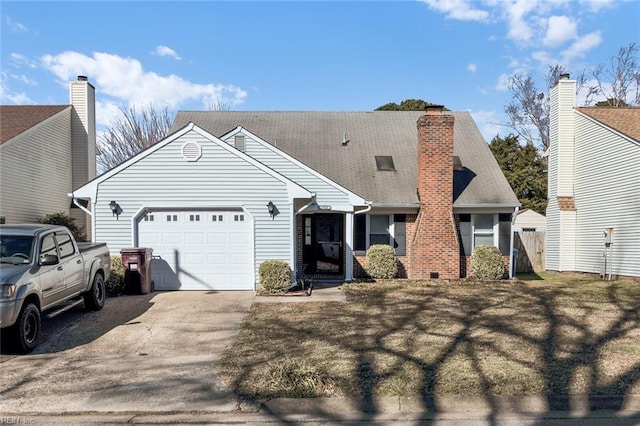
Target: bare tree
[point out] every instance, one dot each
(528, 111)
(130, 133)
(618, 79)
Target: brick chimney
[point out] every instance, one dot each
(435, 251)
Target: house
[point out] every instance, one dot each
(228, 190)
(528, 220)
(594, 187)
(45, 152)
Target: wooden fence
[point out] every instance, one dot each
(530, 246)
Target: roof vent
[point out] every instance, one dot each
(240, 143)
(191, 151)
(384, 163)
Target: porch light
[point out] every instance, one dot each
(272, 209)
(114, 207)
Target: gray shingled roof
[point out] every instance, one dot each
(315, 138)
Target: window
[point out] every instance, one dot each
(384, 163)
(194, 218)
(238, 218)
(172, 218)
(485, 229)
(65, 245)
(380, 229)
(149, 218)
(217, 218)
(48, 246)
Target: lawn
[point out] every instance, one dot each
(554, 335)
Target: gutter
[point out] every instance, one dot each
(369, 207)
(74, 200)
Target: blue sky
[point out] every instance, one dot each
(324, 56)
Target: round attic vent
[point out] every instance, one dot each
(191, 151)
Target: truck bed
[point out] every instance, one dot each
(88, 246)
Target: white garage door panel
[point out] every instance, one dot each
(197, 250)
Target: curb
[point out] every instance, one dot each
(448, 404)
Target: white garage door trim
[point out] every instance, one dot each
(203, 226)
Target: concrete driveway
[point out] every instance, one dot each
(149, 353)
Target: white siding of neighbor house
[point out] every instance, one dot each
(29, 192)
(607, 188)
(326, 193)
(560, 235)
(219, 179)
(530, 219)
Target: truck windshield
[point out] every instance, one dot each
(16, 249)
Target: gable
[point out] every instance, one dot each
(325, 189)
(16, 119)
(170, 159)
(623, 120)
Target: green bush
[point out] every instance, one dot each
(62, 219)
(486, 263)
(115, 284)
(275, 275)
(381, 261)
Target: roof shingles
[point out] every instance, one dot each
(624, 120)
(15, 119)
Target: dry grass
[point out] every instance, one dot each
(557, 336)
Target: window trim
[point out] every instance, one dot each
(367, 231)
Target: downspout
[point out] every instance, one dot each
(369, 207)
(81, 207)
(513, 227)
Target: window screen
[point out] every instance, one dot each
(379, 229)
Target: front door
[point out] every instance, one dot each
(323, 241)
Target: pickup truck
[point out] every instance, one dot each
(42, 267)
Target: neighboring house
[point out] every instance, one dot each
(528, 220)
(594, 186)
(228, 190)
(45, 152)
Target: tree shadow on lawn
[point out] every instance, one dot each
(494, 342)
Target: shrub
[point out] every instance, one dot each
(115, 284)
(486, 263)
(381, 261)
(62, 219)
(275, 275)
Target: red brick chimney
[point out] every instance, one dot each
(435, 251)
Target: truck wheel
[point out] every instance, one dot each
(27, 328)
(94, 299)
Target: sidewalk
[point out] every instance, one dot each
(446, 410)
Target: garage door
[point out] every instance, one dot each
(199, 250)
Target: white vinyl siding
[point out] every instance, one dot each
(326, 193)
(36, 171)
(560, 175)
(219, 179)
(607, 191)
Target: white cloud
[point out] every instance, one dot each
(18, 60)
(16, 26)
(488, 123)
(559, 30)
(581, 46)
(462, 10)
(517, 11)
(472, 68)
(167, 51)
(543, 57)
(503, 83)
(124, 79)
(596, 5)
(11, 98)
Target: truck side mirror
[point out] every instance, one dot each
(48, 259)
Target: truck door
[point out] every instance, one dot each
(51, 276)
(71, 261)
